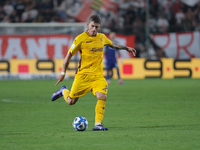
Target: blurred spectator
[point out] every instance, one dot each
(197, 28)
(167, 9)
(162, 24)
(14, 2)
(177, 5)
(152, 23)
(2, 14)
(186, 24)
(47, 5)
(165, 15)
(20, 8)
(47, 9)
(39, 19)
(6, 19)
(124, 5)
(117, 23)
(189, 22)
(60, 7)
(197, 13)
(8, 8)
(128, 24)
(137, 26)
(13, 17)
(54, 18)
(29, 14)
(179, 16)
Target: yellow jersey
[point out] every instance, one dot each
(91, 52)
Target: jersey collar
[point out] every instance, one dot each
(89, 34)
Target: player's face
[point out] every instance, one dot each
(112, 35)
(93, 28)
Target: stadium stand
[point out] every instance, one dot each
(165, 15)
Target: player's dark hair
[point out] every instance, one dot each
(95, 18)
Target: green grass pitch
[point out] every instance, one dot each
(153, 114)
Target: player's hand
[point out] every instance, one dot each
(132, 50)
(60, 79)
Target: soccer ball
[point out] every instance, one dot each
(80, 123)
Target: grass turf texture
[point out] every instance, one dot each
(141, 114)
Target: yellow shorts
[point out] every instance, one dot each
(83, 83)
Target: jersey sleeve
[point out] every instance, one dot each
(75, 47)
(107, 42)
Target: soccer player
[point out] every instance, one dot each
(111, 60)
(89, 76)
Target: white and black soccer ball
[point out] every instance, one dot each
(80, 123)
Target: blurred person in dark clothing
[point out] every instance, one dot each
(2, 14)
(20, 8)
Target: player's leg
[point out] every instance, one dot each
(107, 74)
(58, 93)
(100, 90)
(99, 111)
(68, 99)
(120, 81)
(72, 101)
(100, 106)
(63, 91)
(80, 87)
(109, 68)
(117, 67)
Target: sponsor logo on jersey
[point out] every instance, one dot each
(97, 50)
(88, 41)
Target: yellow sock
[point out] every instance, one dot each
(99, 111)
(65, 94)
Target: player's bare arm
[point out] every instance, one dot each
(129, 49)
(64, 68)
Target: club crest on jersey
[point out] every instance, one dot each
(101, 39)
(73, 45)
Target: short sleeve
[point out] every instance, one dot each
(75, 47)
(107, 42)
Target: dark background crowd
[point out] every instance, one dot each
(17, 11)
(164, 16)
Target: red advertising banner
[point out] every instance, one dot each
(45, 46)
(128, 40)
(179, 45)
(34, 46)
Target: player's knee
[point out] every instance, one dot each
(70, 101)
(103, 97)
